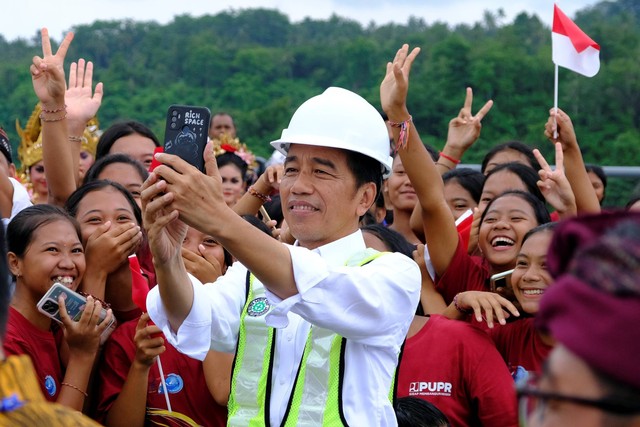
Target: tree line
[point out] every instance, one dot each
(259, 66)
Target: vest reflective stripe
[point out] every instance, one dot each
(249, 381)
(316, 397)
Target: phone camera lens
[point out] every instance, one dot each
(173, 125)
(50, 307)
(174, 119)
(175, 112)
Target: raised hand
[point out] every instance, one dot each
(395, 85)
(82, 102)
(164, 230)
(559, 128)
(148, 345)
(554, 185)
(47, 72)
(83, 336)
(464, 129)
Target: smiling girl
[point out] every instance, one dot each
(45, 247)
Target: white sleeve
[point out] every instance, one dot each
(214, 319)
(372, 304)
(20, 200)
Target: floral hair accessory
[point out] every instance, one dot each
(227, 144)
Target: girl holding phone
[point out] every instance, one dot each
(44, 247)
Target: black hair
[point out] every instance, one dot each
(521, 147)
(257, 223)
(549, 226)
(76, 197)
(393, 240)
(415, 412)
(228, 158)
(469, 179)
(631, 201)
(528, 176)
(96, 169)
(5, 284)
(539, 209)
(222, 113)
(274, 209)
(27, 221)
(599, 172)
(117, 131)
(365, 169)
(435, 154)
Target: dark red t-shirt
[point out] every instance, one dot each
(42, 346)
(464, 273)
(188, 392)
(520, 344)
(456, 367)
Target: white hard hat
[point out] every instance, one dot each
(339, 118)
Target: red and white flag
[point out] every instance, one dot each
(571, 47)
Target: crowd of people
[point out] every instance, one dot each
(338, 286)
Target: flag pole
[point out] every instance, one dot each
(164, 384)
(555, 101)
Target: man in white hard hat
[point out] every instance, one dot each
(317, 326)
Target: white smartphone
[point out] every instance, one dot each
(73, 302)
(500, 280)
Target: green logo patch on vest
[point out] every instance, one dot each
(258, 307)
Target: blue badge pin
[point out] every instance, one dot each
(258, 307)
(174, 382)
(50, 385)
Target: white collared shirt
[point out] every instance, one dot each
(371, 306)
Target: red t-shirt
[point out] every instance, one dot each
(464, 273)
(22, 337)
(188, 392)
(520, 344)
(457, 368)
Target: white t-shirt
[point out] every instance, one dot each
(20, 199)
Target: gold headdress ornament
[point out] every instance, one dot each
(91, 136)
(226, 144)
(30, 148)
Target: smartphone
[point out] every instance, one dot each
(186, 133)
(500, 280)
(73, 302)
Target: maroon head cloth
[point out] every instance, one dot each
(593, 306)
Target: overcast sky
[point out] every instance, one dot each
(23, 18)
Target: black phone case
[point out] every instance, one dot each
(186, 133)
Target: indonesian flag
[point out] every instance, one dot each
(139, 285)
(571, 47)
(464, 224)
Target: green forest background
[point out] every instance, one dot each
(259, 66)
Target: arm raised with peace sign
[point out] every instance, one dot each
(464, 129)
(554, 184)
(47, 73)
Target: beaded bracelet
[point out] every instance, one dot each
(57, 119)
(75, 388)
(405, 126)
(460, 309)
(451, 159)
(105, 305)
(57, 110)
(264, 197)
(75, 138)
